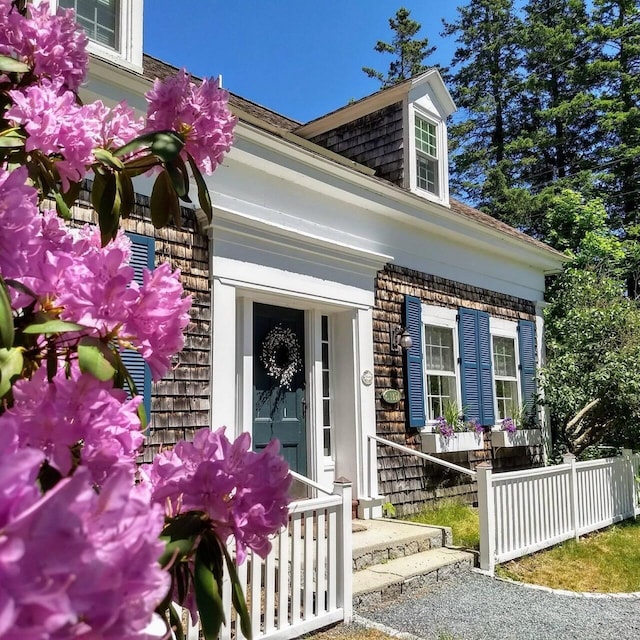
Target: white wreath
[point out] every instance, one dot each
(276, 340)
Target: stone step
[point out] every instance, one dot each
(382, 540)
(390, 579)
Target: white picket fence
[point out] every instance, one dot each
(304, 583)
(525, 511)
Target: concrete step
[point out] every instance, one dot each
(390, 579)
(382, 540)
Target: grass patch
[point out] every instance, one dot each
(605, 562)
(462, 519)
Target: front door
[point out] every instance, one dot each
(279, 382)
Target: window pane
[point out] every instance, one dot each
(507, 398)
(99, 18)
(504, 357)
(426, 140)
(427, 174)
(440, 391)
(439, 348)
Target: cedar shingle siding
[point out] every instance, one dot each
(375, 140)
(180, 401)
(406, 481)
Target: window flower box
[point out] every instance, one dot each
(459, 441)
(518, 438)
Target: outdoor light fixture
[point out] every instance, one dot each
(400, 339)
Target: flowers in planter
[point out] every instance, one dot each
(508, 425)
(453, 422)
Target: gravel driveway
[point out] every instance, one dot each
(476, 607)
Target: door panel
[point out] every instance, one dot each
(279, 399)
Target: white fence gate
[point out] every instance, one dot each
(524, 511)
(304, 583)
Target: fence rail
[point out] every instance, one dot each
(525, 511)
(304, 583)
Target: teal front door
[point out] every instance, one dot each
(279, 382)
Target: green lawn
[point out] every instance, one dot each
(462, 519)
(605, 562)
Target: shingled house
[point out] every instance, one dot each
(328, 239)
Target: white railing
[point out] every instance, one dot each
(304, 583)
(525, 511)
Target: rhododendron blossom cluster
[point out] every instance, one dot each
(88, 548)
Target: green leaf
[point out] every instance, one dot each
(137, 143)
(179, 176)
(108, 159)
(61, 206)
(11, 65)
(175, 550)
(7, 331)
(11, 138)
(53, 326)
(71, 195)
(208, 595)
(237, 595)
(93, 359)
(167, 145)
(11, 363)
(163, 201)
(127, 194)
(203, 193)
(176, 623)
(109, 209)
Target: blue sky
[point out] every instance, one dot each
(301, 58)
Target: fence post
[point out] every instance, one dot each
(486, 509)
(373, 467)
(570, 459)
(344, 561)
(630, 475)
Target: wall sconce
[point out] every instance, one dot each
(400, 339)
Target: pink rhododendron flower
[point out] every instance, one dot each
(158, 318)
(56, 126)
(78, 564)
(19, 221)
(245, 493)
(199, 113)
(54, 46)
(76, 416)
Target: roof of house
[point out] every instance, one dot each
(154, 68)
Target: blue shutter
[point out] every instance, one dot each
(486, 362)
(414, 405)
(474, 339)
(527, 348)
(469, 364)
(142, 256)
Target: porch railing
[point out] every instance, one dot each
(305, 582)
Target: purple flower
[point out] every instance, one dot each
(54, 46)
(75, 563)
(508, 425)
(199, 113)
(76, 420)
(475, 426)
(444, 428)
(244, 493)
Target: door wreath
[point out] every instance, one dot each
(281, 355)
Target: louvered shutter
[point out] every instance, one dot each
(474, 339)
(142, 256)
(469, 364)
(486, 362)
(413, 363)
(527, 347)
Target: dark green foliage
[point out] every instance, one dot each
(409, 52)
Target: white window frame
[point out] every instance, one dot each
(446, 318)
(128, 53)
(411, 162)
(499, 327)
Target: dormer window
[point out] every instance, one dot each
(426, 156)
(99, 18)
(114, 28)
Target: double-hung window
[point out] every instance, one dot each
(440, 363)
(426, 141)
(505, 377)
(99, 18)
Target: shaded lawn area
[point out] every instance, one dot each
(607, 562)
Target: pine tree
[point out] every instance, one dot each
(616, 73)
(485, 84)
(410, 52)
